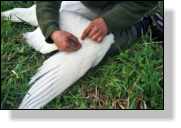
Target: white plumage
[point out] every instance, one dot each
(26, 14)
(64, 68)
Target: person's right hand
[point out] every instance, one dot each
(62, 39)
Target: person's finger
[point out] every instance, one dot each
(93, 32)
(100, 39)
(86, 32)
(69, 47)
(74, 39)
(73, 48)
(95, 37)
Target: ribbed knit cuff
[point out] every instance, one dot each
(49, 31)
(109, 22)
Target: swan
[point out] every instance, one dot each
(62, 69)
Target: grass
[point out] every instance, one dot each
(128, 80)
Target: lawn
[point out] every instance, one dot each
(132, 79)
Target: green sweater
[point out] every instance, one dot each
(124, 14)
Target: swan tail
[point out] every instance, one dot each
(37, 41)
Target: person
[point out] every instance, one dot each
(122, 18)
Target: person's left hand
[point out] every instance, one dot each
(96, 30)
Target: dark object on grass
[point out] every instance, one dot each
(24, 1)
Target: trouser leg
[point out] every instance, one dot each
(124, 39)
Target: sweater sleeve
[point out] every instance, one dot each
(47, 13)
(126, 13)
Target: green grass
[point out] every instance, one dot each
(123, 81)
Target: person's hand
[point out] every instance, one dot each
(96, 30)
(62, 40)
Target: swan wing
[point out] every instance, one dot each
(64, 68)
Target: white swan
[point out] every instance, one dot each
(64, 68)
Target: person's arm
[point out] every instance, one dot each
(47, 13)
(126, 13)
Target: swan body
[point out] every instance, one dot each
(63, 68)
(29, 15)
